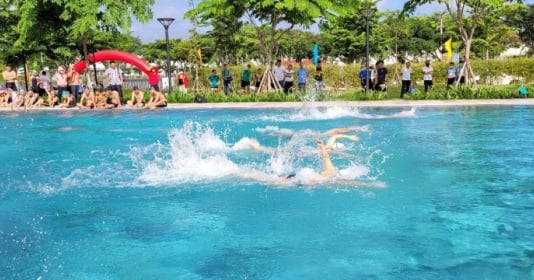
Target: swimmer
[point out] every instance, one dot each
(329, 172)
(330, 144)
(402, 114)
(308, 132)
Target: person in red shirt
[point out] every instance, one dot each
(183, 81)
(153, 78)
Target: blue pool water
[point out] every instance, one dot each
(162, 195)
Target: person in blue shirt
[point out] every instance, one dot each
(364, 75)
(213, 78)
(245, 79)
(302, 75)
(451, 74)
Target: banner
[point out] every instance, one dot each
(199, 54)
(316, 54)
(448, 48)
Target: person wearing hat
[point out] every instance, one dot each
(138, 98)
(61, 79)
(428, 71)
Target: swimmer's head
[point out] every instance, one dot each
(291, 176)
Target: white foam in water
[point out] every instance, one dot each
(194, 153)
(242, 144)
(308, 112)
(275, 131)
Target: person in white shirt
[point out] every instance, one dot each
(114, 78)
(288, 79)
(406, 72)
(428, 71)
(279, 73)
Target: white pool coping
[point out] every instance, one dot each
(383, 103)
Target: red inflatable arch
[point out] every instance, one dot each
(119, 56)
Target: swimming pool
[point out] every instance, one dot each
(140, 195)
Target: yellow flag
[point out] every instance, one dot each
(199, 54)
(448, 48)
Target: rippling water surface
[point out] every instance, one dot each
(180, 194)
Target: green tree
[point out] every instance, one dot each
(458, 9)
(522, 20)
(270, 13)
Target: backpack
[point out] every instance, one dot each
(200, 99)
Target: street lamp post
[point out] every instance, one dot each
(166, 22)
(367, 13)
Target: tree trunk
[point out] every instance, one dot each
(89, 84)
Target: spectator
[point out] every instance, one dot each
(10, 76)
(450, 73)
(380, 79)
(245, 79)
(34, 81)
(183, 81)
(67, 100)
(3, 96)
(153, 78)
(428, 71)
(115, 78)
(279, 73)
(319, 80)
(61, 80)
(157, 100)
(138, 98)
(74, 82)
(288, 79)
(406, 73)
(87, 100)
(302, 76)
(227, 79)
(366, 78)
(44, 82)
(213, 78)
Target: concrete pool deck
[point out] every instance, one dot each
(383, 103)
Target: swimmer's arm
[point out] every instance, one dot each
(332, 140)
(258, 147)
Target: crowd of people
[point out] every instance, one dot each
(284, 79)
(375, 78)
(65, 90)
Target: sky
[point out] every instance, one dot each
(153, 30)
